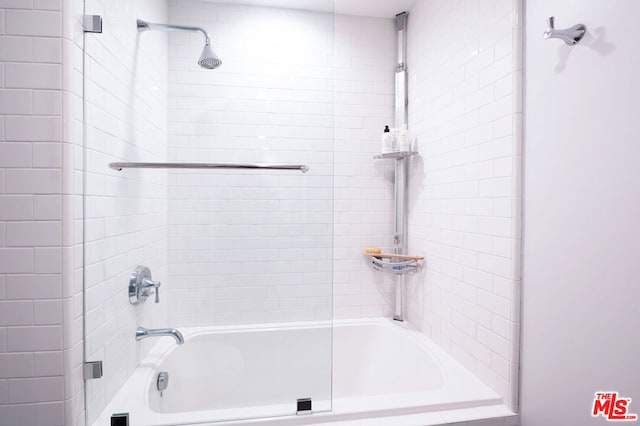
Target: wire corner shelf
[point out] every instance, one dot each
(397, 264)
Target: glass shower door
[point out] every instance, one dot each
(243, 253)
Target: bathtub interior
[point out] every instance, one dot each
(246, 369)
(371, 360)
(219, 370)
(380, 368)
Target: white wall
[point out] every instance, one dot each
(581, 234)
(364, 102)
(251, 247)
(40, 334)
(464, 110)
(125, 211)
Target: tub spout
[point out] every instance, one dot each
(143, 333)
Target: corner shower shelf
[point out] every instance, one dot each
(396, 154)
(398, 264)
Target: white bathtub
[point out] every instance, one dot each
(380, 368)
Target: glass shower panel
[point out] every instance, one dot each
(243, 255)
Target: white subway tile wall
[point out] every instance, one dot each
(125, 211)
(251, 246)
(36, 359)
(273, 101)
(464, 113)
(364, 100)
(71, 207)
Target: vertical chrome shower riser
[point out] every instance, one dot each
(401, 171)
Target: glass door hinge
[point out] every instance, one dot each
(92, 23)
(92, 370)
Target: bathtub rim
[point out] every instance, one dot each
(341, 408)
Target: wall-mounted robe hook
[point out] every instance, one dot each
(571, 36)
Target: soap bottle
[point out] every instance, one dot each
(387, 141)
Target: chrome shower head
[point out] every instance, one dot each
(208, 58)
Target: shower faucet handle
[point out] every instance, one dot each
(150, 286)
(141, 286)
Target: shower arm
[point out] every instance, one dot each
(148, 26)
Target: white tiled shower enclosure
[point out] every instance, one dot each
(327, 112)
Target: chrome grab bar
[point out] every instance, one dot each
(119, 166)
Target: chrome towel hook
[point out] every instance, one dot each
(571, 36)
